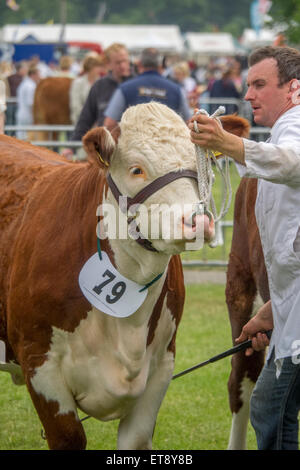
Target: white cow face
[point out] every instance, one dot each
(154, 141)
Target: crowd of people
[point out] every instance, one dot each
(96, 77)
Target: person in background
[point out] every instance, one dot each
(44, 69)
(181, 74)
(273, 92)
(224, 88)
(147, 86)
(6, 69)
(14, 81)
(64, 68)
(25, 95)
(92, 68)
(2, 106)
(118, 66)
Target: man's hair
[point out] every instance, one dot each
(287, 58)
(113, 48)
(151, 58)
(92, 61)
(32, 70)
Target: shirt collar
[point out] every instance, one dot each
(289, 112)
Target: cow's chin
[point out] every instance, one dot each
(175, 247)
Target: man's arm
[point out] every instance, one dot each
(184, 108)
(114, 110)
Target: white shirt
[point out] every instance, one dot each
(25, 94)
(79, 91)
(277, 165)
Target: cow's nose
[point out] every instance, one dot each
(199, 224)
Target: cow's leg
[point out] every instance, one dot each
(137, 428)
(55, 406)
(241, 293)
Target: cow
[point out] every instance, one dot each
(246, 290)
(51, 104)
(70, 352)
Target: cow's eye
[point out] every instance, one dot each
(136, 171)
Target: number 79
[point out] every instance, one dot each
(117, 289)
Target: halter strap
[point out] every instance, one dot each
(151, 188)
(142, 195)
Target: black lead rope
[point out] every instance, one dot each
(240, 347)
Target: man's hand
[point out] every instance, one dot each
(262, 321)
(212, 136)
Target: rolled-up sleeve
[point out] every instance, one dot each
(277, 163)
(278, 159)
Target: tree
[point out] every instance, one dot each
(287, 14)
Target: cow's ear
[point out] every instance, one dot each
(236, 125)
(99, 145)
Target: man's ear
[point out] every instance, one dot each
(295, 91)
(99, 145)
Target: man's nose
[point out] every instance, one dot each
(249, 95)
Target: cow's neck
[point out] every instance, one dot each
(136, 263)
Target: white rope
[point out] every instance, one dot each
(206, 179)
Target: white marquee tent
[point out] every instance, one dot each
(250, 39)
(166, 38)
(210, 44)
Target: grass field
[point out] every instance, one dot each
(195, 413)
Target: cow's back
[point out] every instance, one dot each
(22, 167)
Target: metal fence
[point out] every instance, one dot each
(62, 140)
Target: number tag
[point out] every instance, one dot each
(107, 290)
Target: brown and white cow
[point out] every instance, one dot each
(70, 354)
(246, 289)
(51, 104)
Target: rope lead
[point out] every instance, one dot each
(206, 177)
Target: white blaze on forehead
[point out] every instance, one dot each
(158, 133)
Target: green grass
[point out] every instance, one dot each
(195, 412)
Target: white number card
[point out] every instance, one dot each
(107, 290)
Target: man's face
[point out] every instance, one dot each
(119, 64)
(268, 100)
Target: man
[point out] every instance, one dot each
(92, 69)
(14, 80)
(100, 93)
(273, 92)
(147, 86)
(25, 94)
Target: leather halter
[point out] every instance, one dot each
(146, 192)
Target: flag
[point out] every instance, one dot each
(12, 5)
(264, 6)
(255, 16)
